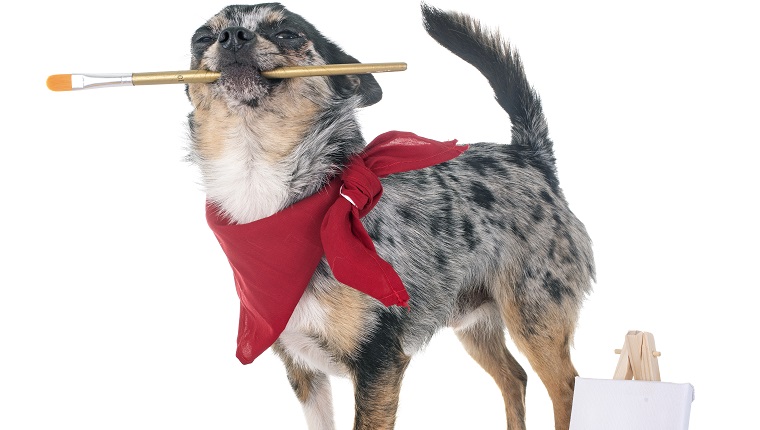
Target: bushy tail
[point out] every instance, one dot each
(493, 57)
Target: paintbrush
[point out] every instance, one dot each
(81, 81)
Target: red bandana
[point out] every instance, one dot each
(274, 258)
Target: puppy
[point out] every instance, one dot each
(483, 243)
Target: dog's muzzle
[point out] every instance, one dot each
(240, 72)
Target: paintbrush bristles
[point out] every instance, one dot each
(59, 82)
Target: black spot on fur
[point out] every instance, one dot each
(437, 226)
(518, 232)
(407, 214)
(481, 195)
(559, 223)
(442, 218)
(468, 232)
(485, 166)
(571, 248)
(453, 178)
(440, 179)
(444, 167)
(547, 197)
(497, 222)
(538, 213)
(441, 259)
(447, 198)
(556, 288)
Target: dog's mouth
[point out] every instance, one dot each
(244, 82)
(242, 75)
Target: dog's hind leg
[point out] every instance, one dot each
(542, 329)
(550, 358)
(313, 390)
(484, 341)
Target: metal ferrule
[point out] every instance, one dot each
(100, 80)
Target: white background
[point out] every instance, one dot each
(117, 307)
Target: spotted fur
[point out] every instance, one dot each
(483, 243)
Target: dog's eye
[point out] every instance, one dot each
(204, 39)
(287, 35)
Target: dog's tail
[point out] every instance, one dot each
(493, 57)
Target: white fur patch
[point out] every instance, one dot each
(245, 185)
(318, 409)
(309, 317)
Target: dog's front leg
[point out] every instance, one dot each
(377, 387)
(313, 390)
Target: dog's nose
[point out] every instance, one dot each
(235, 37)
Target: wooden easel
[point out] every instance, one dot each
(638, 358)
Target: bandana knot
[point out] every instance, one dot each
(361, 187)
(349, 250)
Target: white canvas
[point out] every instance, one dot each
(606, 404)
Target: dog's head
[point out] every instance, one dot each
(241, 41)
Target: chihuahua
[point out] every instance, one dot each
(484, 243)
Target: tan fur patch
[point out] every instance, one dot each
(213, 124)
(281, 131)
(347, 310)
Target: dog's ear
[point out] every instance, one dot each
(364, 85)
